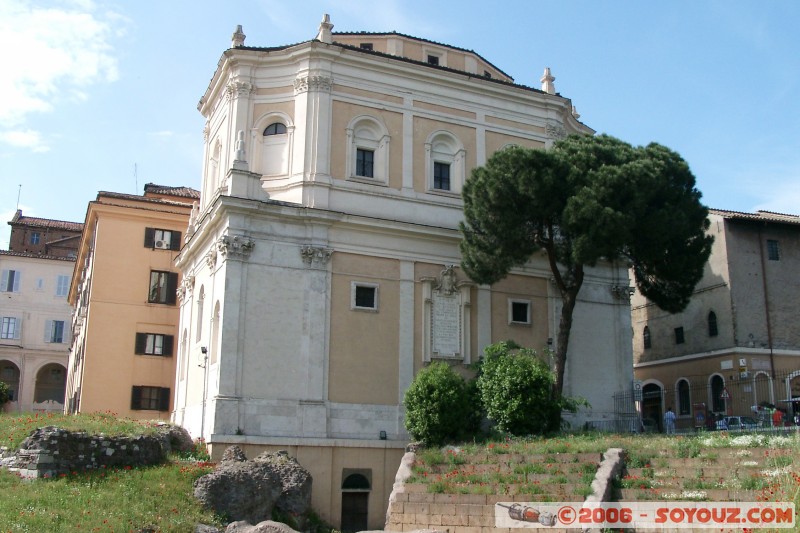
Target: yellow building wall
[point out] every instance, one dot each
(354, 361)
(119, 309)
(533, 335)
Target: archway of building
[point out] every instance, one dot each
(652, 400)
(9, 374)
(355, 503)
(51, 384)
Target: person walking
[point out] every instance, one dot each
(669, 421)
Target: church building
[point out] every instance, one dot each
(321, 267)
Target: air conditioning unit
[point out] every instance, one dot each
(162, 245)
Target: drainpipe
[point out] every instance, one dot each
(766, 302)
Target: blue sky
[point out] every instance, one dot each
(102, 95)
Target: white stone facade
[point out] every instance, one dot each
(347, 201)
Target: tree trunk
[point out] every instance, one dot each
(569, 297)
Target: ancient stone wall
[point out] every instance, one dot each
(51, 451)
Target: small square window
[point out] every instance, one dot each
(441, 176)
(365, 163)
(162, 239)
(773, 251)
(10, 281)
(679, 339)
(519, 311)
(62, 285)
(9, 328)
(54, 331)
(487, 74)
(163, 287)
(153, 344)
(365, 46)
(364, 296)
(433, 60)
(150, 398)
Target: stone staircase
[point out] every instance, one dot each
(725, 474)
(460, 496)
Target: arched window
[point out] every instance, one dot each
(646, 337)
(182, 362)
(712, 324)
(368, 150)
(273, 151)
(445, 161)
(199, 319)
(684, 398)
(215, 334)
(717, 386)
(276, 128)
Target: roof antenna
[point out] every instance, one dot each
(19, 192)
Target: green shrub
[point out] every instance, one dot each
(437, 405)
(516, 390)
(3, 393)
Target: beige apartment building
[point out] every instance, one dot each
(123, 290)
(34, 314)
(320, 273)
(737, 344)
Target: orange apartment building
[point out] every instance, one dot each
(124, 293)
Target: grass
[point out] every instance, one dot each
(129, 499)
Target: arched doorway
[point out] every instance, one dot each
(652, 397)
(51, 384)
(9, 374)
(355, 501)
(716, 386)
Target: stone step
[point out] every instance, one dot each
(669, 494)
(697, 472)
(517, 458)
(504, 468)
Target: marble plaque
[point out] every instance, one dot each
(445, 325)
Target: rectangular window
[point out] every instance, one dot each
(364, 296)
(773, 252)
(519, 311)
(365, 163)
(62, 285)
(9, 281)
(162, 239)
(162, 287)
(365, 46)
(679, 339)
(35, 237)
(153, 344)
(9, 328)
(54, 331)
(433, 60)
(441, 176)
(150, 398)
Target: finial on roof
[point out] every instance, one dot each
(547, 82)
(325, 27)
(237, 39)
(575, 113)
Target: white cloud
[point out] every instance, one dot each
(52, 54)
(24, 139)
